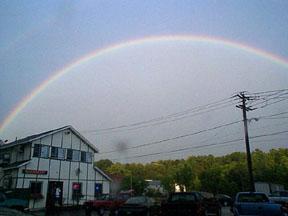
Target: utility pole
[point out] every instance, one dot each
(249, 160)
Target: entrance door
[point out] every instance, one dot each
(54, 194)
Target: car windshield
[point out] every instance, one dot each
(103, 197)
(183, 197)
(136, 200)
(252, 198)
(284, 193)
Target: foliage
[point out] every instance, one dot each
(226, 174)
(138, 184)
(103, 164)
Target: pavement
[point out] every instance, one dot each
(225, 211)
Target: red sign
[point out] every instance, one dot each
(76, 186)
(35, 172)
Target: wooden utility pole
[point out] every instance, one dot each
(249, 160)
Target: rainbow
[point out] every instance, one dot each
(122, 45)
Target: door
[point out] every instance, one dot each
(54, 194)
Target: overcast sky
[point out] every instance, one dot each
(123, 88)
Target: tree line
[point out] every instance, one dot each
(223, 174)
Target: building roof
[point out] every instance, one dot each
(16, 165)
(47, 133)
(102, 173)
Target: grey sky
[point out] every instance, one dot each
(145, 81)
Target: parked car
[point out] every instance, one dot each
(255, 203)
(13, 212)
(224, 199)
(104, 202)
(190, 203)
(15, 203)
(280, 197)
(139, 206)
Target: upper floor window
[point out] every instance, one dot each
(76, 155)
(83, 156)
(89, 157)
(86, 157)
(5, 158)
(41, 151)
(58, 153)
(73, 155)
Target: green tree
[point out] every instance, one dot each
(184, 176)
(138, 184)
(104, 164)
(118, 169)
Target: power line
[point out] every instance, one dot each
(272, 91)
(191, 134)
(191, 112)
(271, 134)
(164, 121)
(203, 146)
(168, 118)
(177, 137)
(285, 117)
(182, 149)
(266, 100)
(271, 115)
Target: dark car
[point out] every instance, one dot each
(13, 212)
(190, 204)
(224, 199)
(105, 202)
(280, 197)
(15, 203)
(140, 206)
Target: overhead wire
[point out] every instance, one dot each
(264, 96)
(177, 137)
(191, 134)
(202, 146)
(168, 118)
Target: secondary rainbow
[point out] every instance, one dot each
(137, 42)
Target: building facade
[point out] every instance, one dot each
(55, 167)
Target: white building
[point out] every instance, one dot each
(56, 167)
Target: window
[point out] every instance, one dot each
(83, 156)
(86, 157)
(89, 157)
(36, 187)
(58, 153)
(76, 155)
(6, 158)
(69, 154)
(37, 150)
(98, 189)
(61, 153)
(44, 151)
(73, 155)
(41, 151)
(54, 152)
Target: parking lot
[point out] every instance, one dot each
(225, 211)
